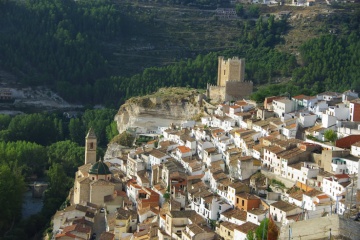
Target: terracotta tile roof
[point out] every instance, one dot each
(183, 149)
(323, 196)
(241, 214)
(228, 225)
(339, 176)
(299, 97)
(284, 206)
(313, 193)
(107, 236)
(182, 214)
(298, 195)
(67, 235)
(246, 227)
(157, 154)
(245, 195)
(78, 228)
(257, 211)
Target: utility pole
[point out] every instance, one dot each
(264, 226)
(351, 196)
(290, 232)
(330, 207)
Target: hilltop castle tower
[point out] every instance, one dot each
(90, 147)
(231, 84)
(230, 70)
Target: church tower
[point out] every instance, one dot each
(90, 147)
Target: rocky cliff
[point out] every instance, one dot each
(168, 105)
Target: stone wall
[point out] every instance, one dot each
(238, 90)
(349, 228)
(316, 228)
(216, 93)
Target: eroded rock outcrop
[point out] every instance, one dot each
(168, 105)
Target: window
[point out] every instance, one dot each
(91, 145)
(242, 203)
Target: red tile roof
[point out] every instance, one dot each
(183, 149)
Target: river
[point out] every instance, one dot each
(30, 205)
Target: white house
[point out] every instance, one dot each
(301, 171)
(234, 215)
(211, 155)
(191, 143)
(270, 156)
(318, 108)
(307, 119)
(181, 152)
(314, 200)
(157, 157)
(256, 215)
(290, 131)
(240, 232)
(329, 96)
(349, 95)
(310, 101)
(282, 106)
(208, 205)
(340, 111)
(280, 210)
(335, 185)
(247, 166)
(347, 165)
(355, 149)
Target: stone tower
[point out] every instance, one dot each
(232, 69)
(90, 147)
(231, 84)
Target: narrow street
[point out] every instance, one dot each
(99, 224)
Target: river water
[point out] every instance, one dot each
(30, 205)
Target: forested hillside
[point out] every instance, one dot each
(107, 51)
(49, 147)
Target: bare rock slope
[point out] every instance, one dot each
(168, 105)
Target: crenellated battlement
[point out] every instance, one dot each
(230, 83)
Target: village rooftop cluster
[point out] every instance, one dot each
(220, 178)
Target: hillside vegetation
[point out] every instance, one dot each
(106, 52)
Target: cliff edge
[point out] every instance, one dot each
(166, 106)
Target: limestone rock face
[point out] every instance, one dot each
(114, 150)
(168, 105)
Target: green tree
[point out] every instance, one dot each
(124, 139)
(239, 8)
(11, 190)
(76, 131)
(330, 135)
(37, 127)
(250, 235)
(69, 154)
(4, 121)
(59, 186)
(262, 229)
(111, 131)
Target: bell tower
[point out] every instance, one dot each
(90, 147)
